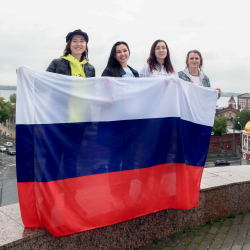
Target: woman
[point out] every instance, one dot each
(74, 61)
(193, 72)
(158, 63)
(60, 154)
(117, 64)
(119, 136)
(123, 154)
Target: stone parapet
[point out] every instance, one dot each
(224, 191)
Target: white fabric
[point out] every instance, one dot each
(144, 72)
(195, 80)
(129, 73)
(71, 99)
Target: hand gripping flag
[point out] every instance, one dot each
(98, 151)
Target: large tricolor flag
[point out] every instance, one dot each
(99, 151)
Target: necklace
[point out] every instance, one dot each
(195, 75)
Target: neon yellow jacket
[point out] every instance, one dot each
(77, 107)
(77, 68)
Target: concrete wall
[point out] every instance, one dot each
(224, 191)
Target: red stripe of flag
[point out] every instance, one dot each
(83, 203)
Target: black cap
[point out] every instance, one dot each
(77, 32)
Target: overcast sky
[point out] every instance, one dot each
(33, 33)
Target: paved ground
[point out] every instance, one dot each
(8, 182)
(227, 233)
(7, 161)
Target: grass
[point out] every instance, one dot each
(187, 230)
(232, 216)
(156, 240)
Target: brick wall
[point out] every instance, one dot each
(227, 142)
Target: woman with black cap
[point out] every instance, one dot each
(74, 61)
(61, 154)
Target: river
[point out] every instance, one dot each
(6, 94)
(223, 101)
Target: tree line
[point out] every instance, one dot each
(7, 109)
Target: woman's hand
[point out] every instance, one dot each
(219, 91)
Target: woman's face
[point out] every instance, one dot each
(122, 54)
(161, 50)
(194, 60)
(77, 45)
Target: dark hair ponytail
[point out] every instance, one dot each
(113, 66)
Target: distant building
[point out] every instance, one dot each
(244, 101)
(245, 154)
(9, 129)
(232, 102)
(229, 112)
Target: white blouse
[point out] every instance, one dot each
(195, 80)
(144, 72)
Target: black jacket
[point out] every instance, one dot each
(107, 73)
(62, 66)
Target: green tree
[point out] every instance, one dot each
(7, 109)
(2, 102)
(13, 103)
(13, 98)
(243, 117)
(220, 127)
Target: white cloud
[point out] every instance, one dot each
(33, 33)
(185, 38)
(191, 23)
(123, 15)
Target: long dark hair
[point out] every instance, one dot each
(153, 63)
(67, 51)
(196, 52)
(113, 66)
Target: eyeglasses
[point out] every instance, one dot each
(159, 48)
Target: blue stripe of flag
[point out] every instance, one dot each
(49, 152)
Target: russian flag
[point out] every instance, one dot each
(98, 151)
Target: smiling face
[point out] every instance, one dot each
(161, 51)
(122, 54)
(193, 61)
(77, 45)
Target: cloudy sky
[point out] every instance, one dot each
(33, 33)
